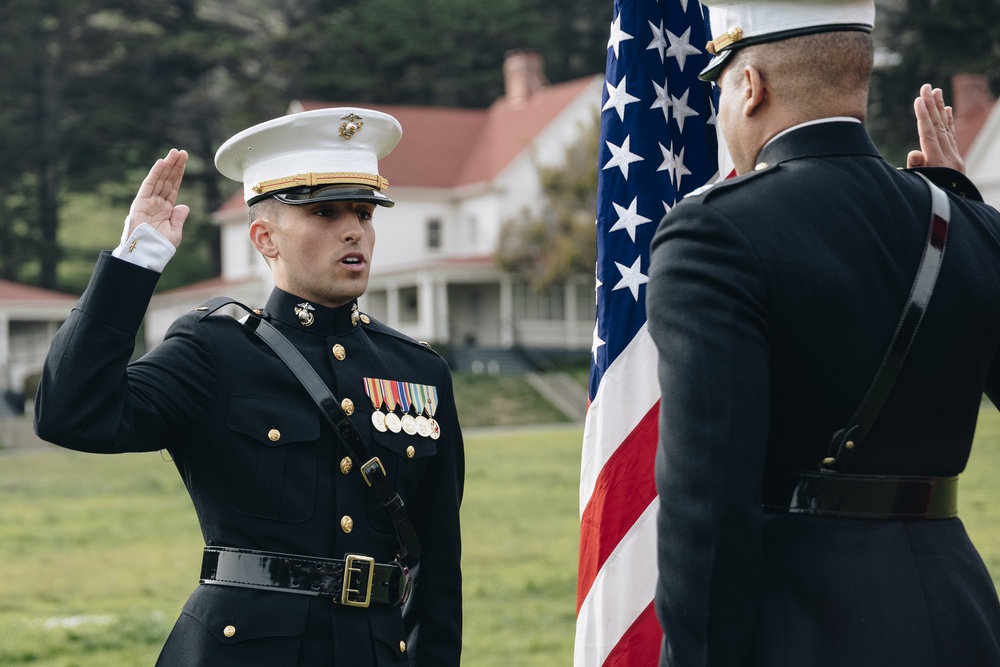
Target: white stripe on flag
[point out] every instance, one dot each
(622, 590)
(627, 392)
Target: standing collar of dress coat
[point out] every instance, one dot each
(281, 306)
(823, 138)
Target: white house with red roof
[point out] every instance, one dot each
(29, 317)
(456, 176)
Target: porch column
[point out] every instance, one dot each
(426, 306)
(392, 305)
(442, 331)
(5, 379)
(506, 311)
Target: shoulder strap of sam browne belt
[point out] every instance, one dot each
(845, 442)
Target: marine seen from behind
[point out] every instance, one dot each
(826, 326)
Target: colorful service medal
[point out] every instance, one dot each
(374, 390)
(391, 398)
(432, 405)
(418, 394)
(423, 426)
(408, 423)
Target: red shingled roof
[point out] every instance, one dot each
(11, 291)
(445, 147)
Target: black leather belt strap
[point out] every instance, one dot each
(372, 469)
(845, 442)
(355, 581)
(846, 495)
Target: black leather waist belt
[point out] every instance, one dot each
(355, 581)
(848, 495)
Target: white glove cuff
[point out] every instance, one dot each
(144, 247)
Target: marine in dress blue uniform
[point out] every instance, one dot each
(270, 481)
(772, 299)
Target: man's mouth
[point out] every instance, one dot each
(356, 262)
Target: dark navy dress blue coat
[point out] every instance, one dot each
(772, 299)
(210, 394)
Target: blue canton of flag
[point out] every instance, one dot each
(658, 143)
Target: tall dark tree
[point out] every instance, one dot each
(91, 86)
(934, 40)
(442, 52)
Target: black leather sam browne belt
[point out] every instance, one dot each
(354, 581)
(833, 492)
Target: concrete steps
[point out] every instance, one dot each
(562, 391)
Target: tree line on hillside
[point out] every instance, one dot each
(92, 90)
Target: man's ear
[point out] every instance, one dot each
(260, 236)
(754, 90)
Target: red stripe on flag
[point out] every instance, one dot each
(640, 645)
(610, 514)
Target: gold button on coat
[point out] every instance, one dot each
(339, 352)
(229, 630)
(346, 524)
(274, 435)
(346, 464)
(366, 319)
(347, 405)
(410, 452)
(402, 646)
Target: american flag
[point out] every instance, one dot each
(658, 142)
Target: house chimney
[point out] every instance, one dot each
(523, 75)
(972, 102)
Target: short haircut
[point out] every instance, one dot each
(266, 208)
(825, 74)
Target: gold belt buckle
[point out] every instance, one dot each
(357, 564)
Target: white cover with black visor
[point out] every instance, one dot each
(737, 24)
(313, 156)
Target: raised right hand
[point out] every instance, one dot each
(936, 129)
(154, 204)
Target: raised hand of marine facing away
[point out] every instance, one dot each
(936, 129)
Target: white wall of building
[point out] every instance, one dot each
(982, 163)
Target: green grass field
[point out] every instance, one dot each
(98, 553)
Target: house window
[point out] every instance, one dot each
(434, 233)
(29, 341)
(472, 230)
(408, 307)
(546, 304)
(376, 304)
